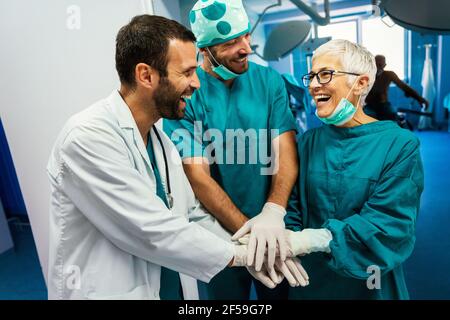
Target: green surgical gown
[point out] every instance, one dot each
(364, 185)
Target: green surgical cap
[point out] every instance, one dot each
(215, 22)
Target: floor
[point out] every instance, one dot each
(428, 269)
(20, 273)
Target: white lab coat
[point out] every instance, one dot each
(109, 231)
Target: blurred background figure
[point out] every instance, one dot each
(377, 102)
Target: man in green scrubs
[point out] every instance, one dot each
(235, 122)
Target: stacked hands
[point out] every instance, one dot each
(269, 251)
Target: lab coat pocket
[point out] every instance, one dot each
(97, 287)
(142, 292)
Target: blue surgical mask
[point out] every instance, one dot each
(343, 113)
(221, 70)
(224, 72)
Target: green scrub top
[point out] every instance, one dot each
(170, 285)
(256, 100)
(364, 185)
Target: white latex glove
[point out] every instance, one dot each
(266, 229)
(293, 271)
(308, 240)
(268, 278)
(240, 256)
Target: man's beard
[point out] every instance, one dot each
(167, 100)
(227, 65)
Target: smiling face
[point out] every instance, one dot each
(181, 81)
(327, 96)
(233, 54)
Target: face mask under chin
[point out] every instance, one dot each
(344, 111)
(221, 70)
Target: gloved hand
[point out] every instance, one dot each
(240, 256)
(268, 278)
(293, 271)
(308, 240)
(266, 229)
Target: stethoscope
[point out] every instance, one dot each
(169, 190)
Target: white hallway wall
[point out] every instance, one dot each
(49, 72)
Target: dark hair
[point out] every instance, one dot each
(146, 40)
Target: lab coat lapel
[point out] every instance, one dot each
(127, 122)
(141, 147)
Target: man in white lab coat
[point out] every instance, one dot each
(121, 205)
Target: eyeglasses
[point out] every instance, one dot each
(323, 76)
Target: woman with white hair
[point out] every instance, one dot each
(353, 213)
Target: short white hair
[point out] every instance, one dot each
(353, 57)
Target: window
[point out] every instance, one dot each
(341, 30)
(378, 38)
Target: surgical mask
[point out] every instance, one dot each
(343, 113)
(221, 70)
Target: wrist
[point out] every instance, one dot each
(298, 243)
(318, 239)
(240, 256)
(273, 207)
(310, 240)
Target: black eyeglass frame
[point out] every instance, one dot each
(308, 78)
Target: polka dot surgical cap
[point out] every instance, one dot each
(218, 21)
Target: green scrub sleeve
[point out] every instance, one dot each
(186, 134)
(281, 117)
(383, 233)
(293, 218)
